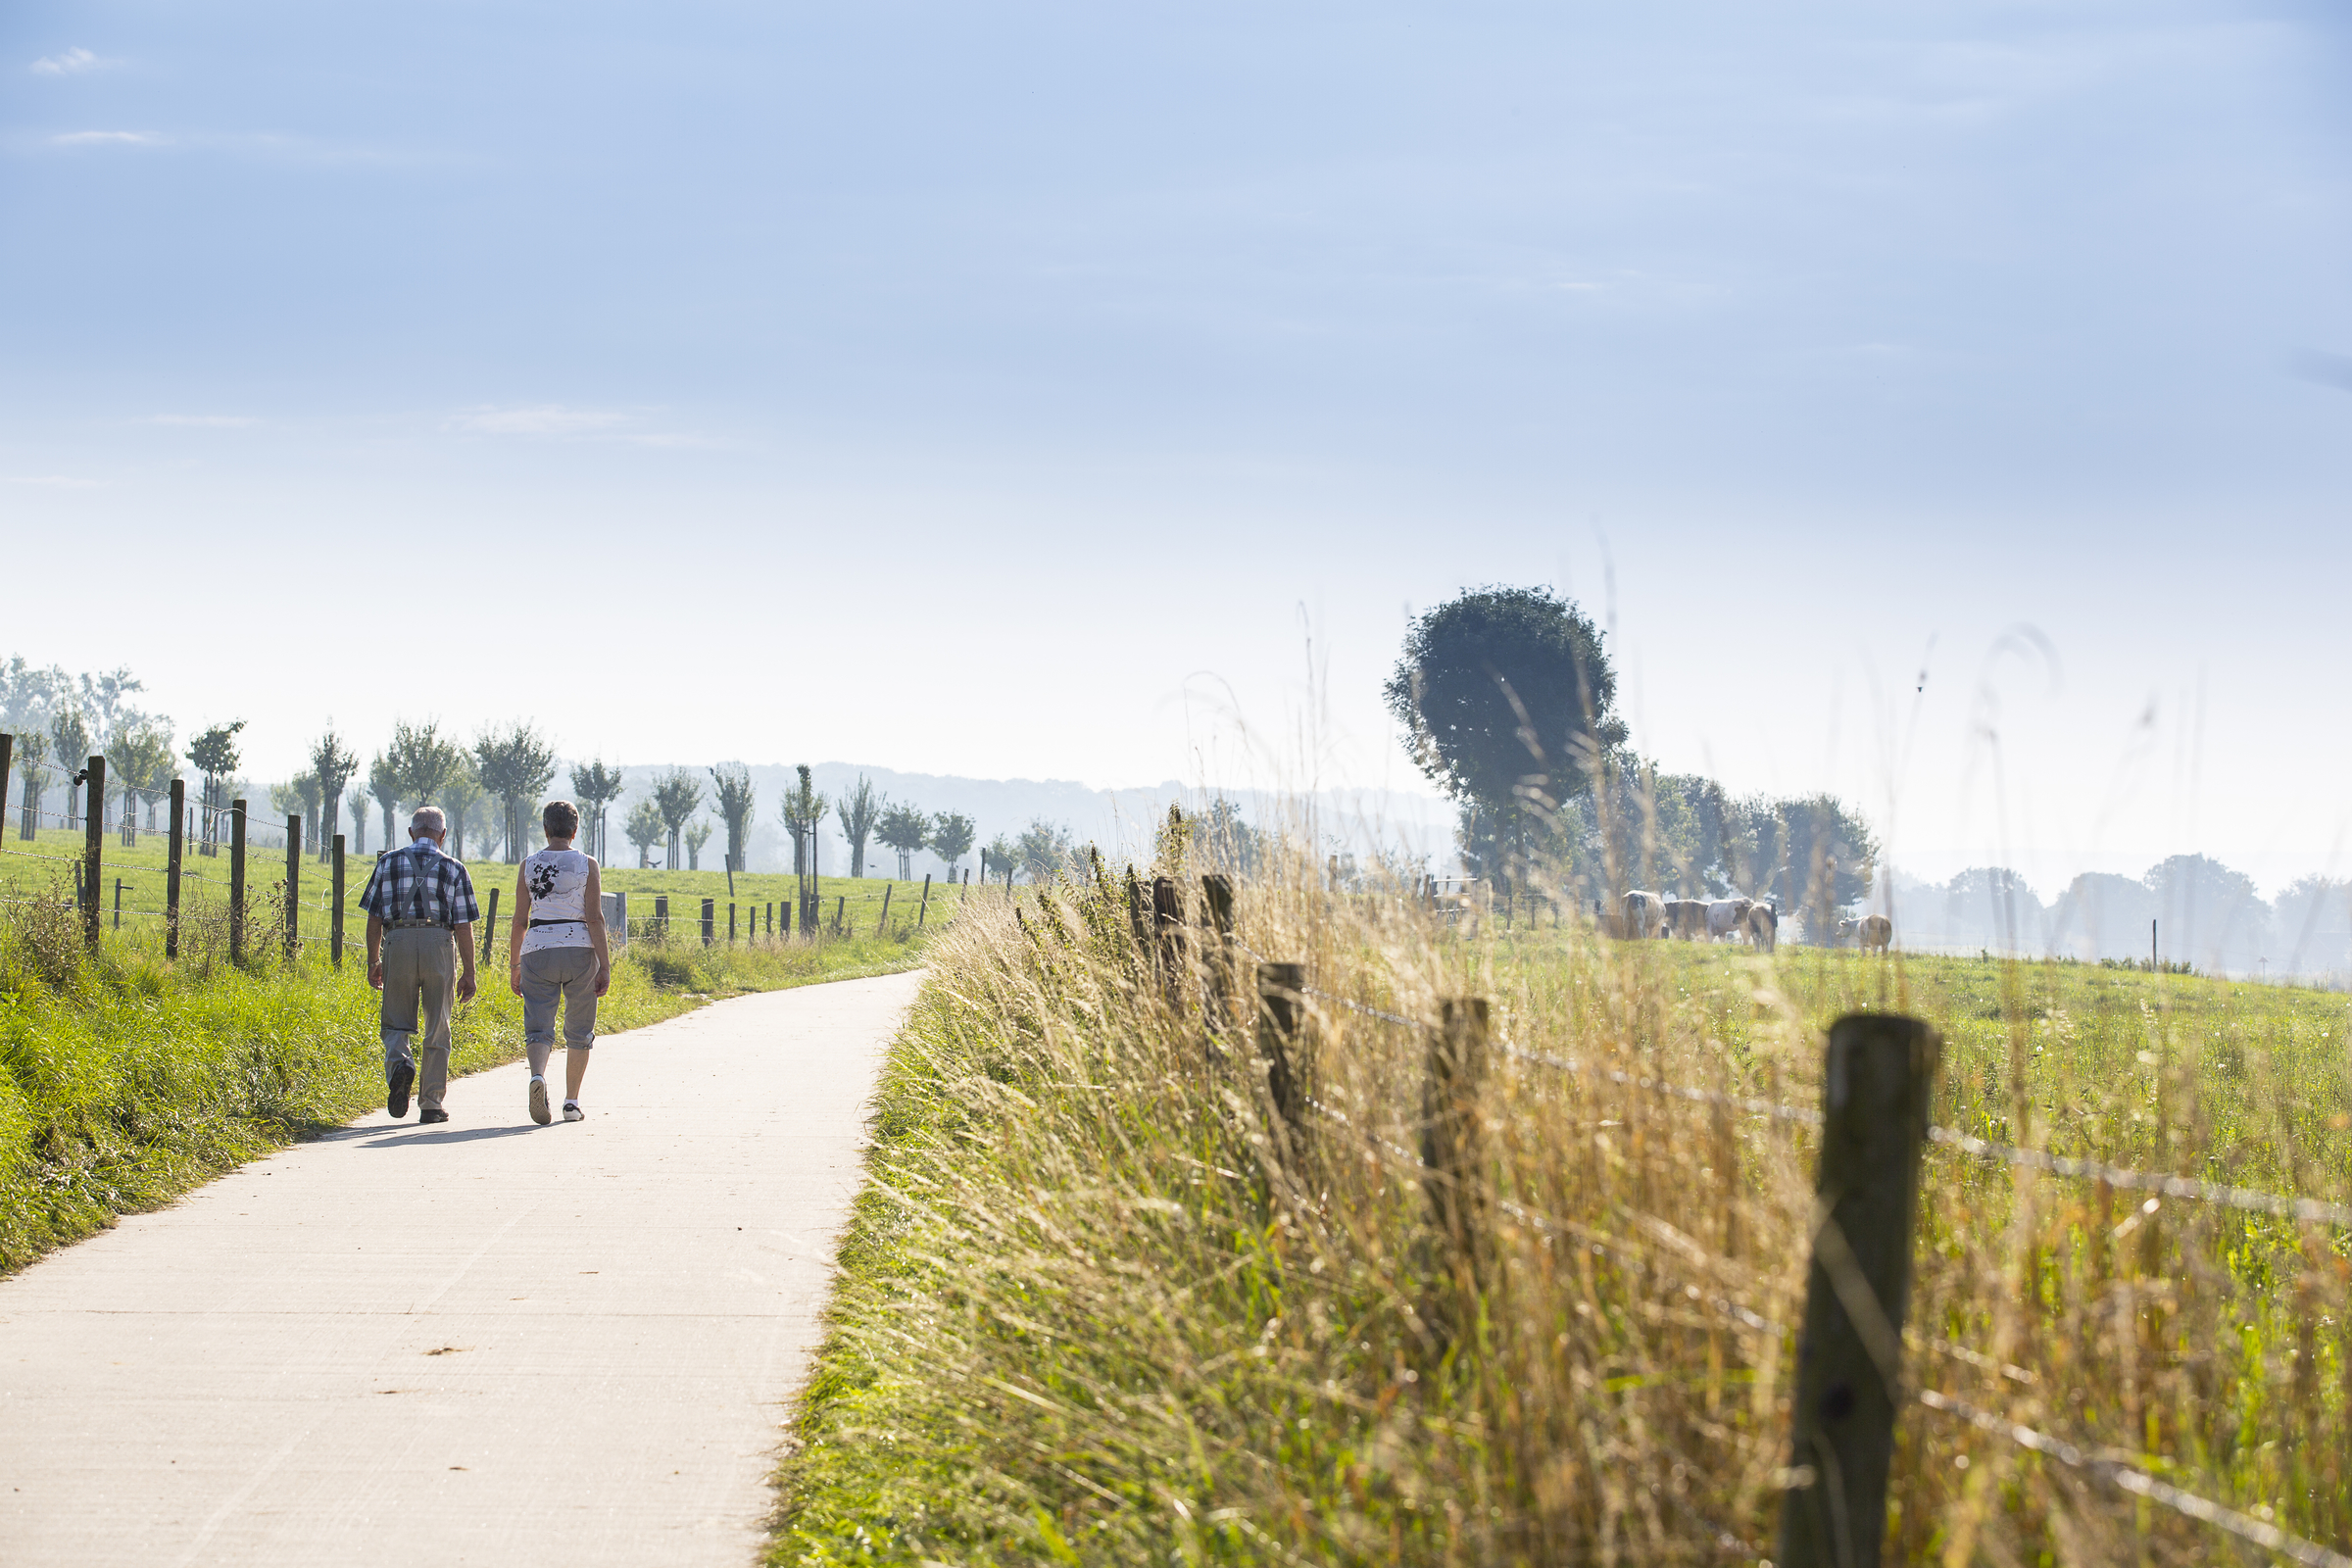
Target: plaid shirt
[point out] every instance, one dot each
(420, 883)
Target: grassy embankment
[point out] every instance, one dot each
(1092, 1309)
(126, 1079)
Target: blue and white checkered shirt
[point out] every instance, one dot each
(420, 883)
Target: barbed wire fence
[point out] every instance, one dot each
(1281, 986)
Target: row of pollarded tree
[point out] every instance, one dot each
(664, 815)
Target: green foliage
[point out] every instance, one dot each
(802, 809)
(421, 760)
(594, 788)
(1045, 849)
(903, 828)
(644, 828)
(952, 838)
(695, 836)
(731, 787)
(514, 764)
(334, 762)
(676, 796)
(1506, 695)
(859, 809)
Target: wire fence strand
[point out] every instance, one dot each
(2129, 1477)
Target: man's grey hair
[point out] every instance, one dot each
(428, 822)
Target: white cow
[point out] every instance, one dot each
(1644, 914)
(1764, 926)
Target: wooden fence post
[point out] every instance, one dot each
(1217, 946)
(236, 881)
(117, 903)
(334, 923)
(710, 921)
(1281, 1007)
(661, 916)
(730, 925)
(883, 923)
(1877, 1085)
(1168, 928)
(841, 910)
(1451, 1141)
(94, 850)
(174, 852)
(293, 888)
(923, 907)
(490, 925)
(7, 753)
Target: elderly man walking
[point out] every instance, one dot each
(421, 914)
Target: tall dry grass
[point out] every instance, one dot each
(1099, 1303)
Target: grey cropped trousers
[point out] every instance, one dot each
(549, 977)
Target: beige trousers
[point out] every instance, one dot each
(421, 983)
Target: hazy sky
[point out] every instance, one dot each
(1031, 389)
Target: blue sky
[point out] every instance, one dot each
(1048, 390)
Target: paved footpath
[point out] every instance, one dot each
(488, 1342)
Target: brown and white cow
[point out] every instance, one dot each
(1686, 918)
(1872, 933)
(1764, 925)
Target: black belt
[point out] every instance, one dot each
(416, 925)
(574, 920)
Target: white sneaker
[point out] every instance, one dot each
(572, 1111)
(539, 1100)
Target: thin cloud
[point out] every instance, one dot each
(59, 481)
(97, 138)
(211, 421)
(551, 418)
(71, 62)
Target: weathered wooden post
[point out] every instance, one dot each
(1281, 1009)
(93, 850)
(236, 881)
(710, 921)
(334, 921)
(490, 925)
(883, 923)
(118, 904)
(841, 910)
(1216, 896)
(1168, 927)
(174, 852)
(661, 916)
(1451, 1143)
(7, 756)
(1877, 1085)
(730, 925)
(293, 888)
(923, 907)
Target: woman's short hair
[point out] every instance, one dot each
(562, 819)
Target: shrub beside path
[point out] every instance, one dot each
(484, 1341)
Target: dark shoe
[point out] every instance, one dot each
(396, 1100)
(426, 1118)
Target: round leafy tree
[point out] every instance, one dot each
(1506, 697)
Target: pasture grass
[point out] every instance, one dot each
(1097, 1304)
(126, 1079)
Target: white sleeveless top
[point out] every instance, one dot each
(559, 883)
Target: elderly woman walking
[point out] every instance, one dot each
(557, 952)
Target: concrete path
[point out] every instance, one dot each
(483, 1343)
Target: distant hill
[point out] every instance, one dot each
(1119, 820)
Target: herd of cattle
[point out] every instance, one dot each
(1654, 915)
